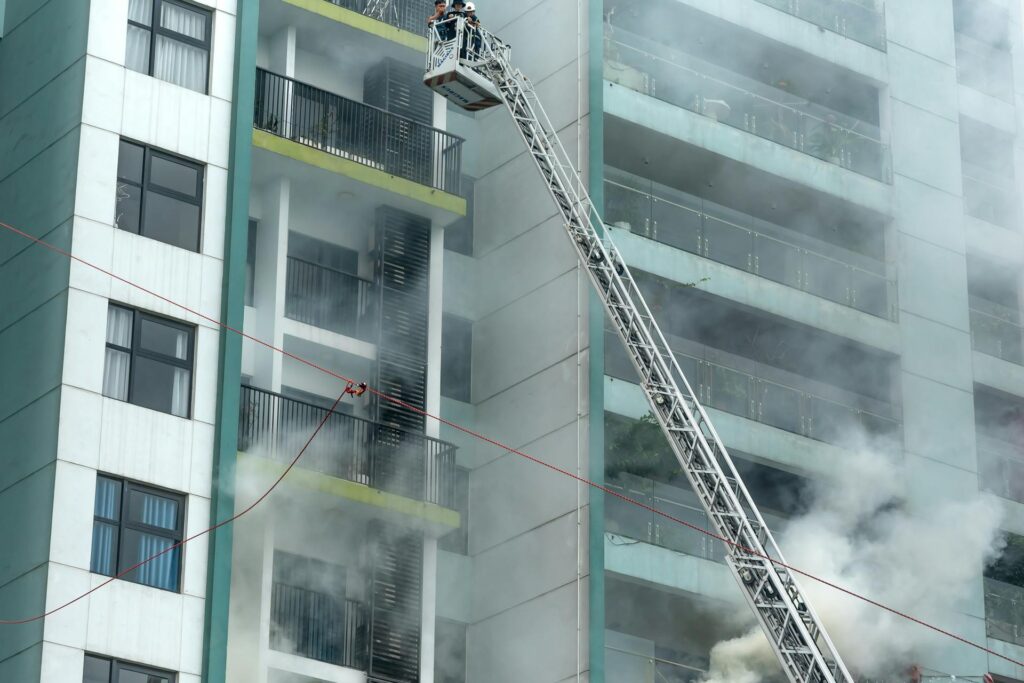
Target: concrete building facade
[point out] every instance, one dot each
(818, 198)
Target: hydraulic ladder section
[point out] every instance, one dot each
(803, 647)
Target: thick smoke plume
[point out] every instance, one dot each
(863, 532)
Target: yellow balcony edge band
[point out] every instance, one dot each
(364, 23)
(350, 490)
(357, 171)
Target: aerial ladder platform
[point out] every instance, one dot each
(473, 69)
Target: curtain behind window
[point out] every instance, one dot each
(104, 536)
(177, 62)
(161, 572)
(116, 367)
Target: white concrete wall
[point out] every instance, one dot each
(126, 620)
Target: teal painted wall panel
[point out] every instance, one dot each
(36, 122)
(30, 532)
(32, 350)
(25, 666)
(21, 598)
(50, 38)
(34, 274)
(39, 197)
(30, 439)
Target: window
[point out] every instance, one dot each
(169, 40)
(103, 670)
(456, 357)
(449, 651)
(457, 541)
(458, 236)
(149, 361)
(250, 265)
(132, 522)
(159, 196)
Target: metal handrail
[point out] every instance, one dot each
(382, 456)
(328, 298)
(794, 139)
(318, 626)
(802, 281)
(800, 9)
(357, 131)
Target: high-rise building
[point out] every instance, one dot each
(818, 199)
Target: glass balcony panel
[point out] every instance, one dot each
(830, 421)
(989, 201)
(1004, 611)
(826, 278)
(995, 336)
(729, 390)
(728, 243)
(862, 22)
(677, 225)
(735, 100)
(628, 666)
(627, 208)
(983, 67)
(626, 519)
(777, 260)
(878, 425)
(869, 292)
(780, 406)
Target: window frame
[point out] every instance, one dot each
(456, 327)
(136, 351)
(117, 665)
(156, 29)
(177, 535)
(144, 185)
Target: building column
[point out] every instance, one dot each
(435, 318)
(269, 299)
(429, 610)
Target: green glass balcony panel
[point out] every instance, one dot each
(826, 278)
(777, 260)
(677, 226)
(779, 406)
(729, 390)
(728, 243)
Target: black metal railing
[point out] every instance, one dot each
(348, 447)
(318, 626)
(330, 299)
(404, 14)
(357, 131)
(861, 21)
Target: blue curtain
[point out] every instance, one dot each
(161, 572)
(104, 536)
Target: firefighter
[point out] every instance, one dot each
(473, 22)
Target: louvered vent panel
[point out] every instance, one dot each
(396, 603)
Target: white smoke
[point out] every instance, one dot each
(864, 534)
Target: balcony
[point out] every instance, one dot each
(983, 67)
(687, 222)
(625, 662)
(691, 83)
(380, 456)
(766, 394)
(1004, 611)
(1001, 467)
(996, 331)
(357, 132)
(990, 196)
(861, 21)
(330, 299)
(318, 626)
(403, 14)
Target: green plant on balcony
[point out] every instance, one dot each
(639, 448)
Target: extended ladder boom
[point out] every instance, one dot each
(459, 54)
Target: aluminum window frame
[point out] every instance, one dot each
(145, 186)
(136, 351)
(176, 535)
(156, 29)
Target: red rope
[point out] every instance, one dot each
(396, 401)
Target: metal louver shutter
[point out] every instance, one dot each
(396, 87)
(403, 269)
(395, 604)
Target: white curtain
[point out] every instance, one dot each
(118, 363)
(182, 385)
(177, 62)
(136, 56)
(161, 572)
(141, 11)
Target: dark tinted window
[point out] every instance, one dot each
(456, 357)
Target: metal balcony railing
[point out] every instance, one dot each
(358, 132)
(318, 626)
(1004, 611)
(729, 237)
(330, 299)
(404, 14)
(691, 83)
(863, 22)
(348, 447)
(766, 394)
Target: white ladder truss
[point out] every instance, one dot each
(804, 649)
